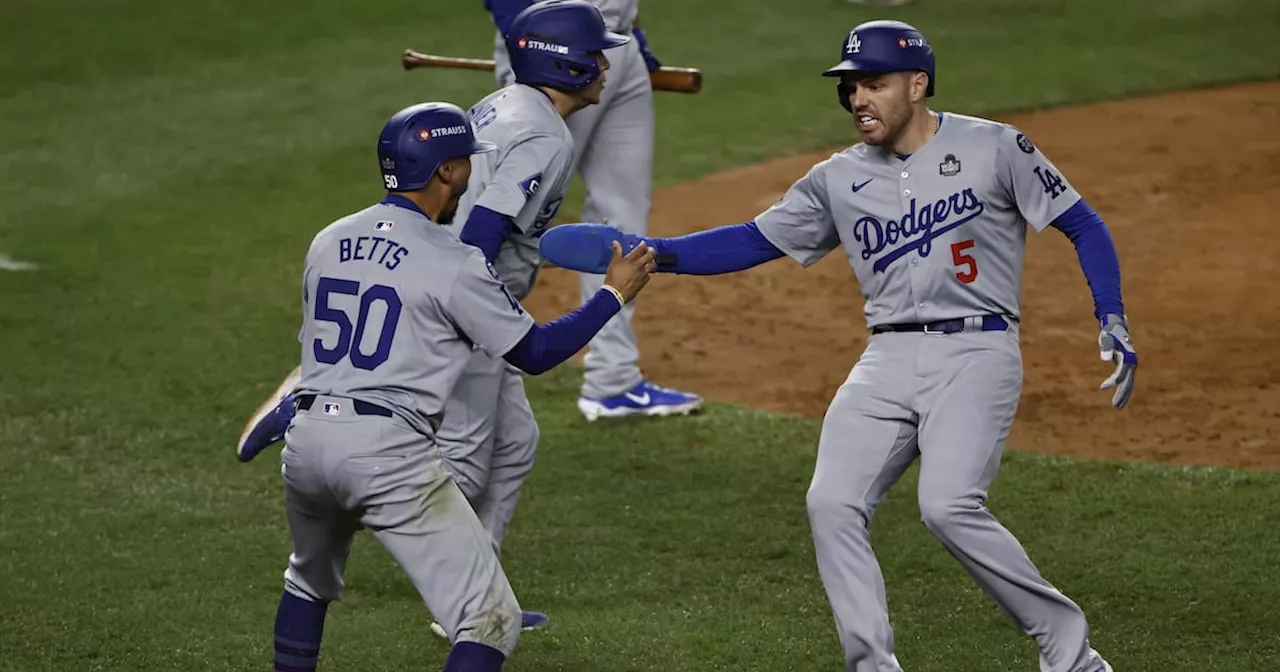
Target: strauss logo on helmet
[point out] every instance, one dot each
(526, 43)
(426, 134)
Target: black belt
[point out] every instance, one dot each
(988, 323)
(361, 407)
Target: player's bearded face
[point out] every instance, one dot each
(881, 106)
(455, 173)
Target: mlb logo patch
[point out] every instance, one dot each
(331, 408)
(383, 226)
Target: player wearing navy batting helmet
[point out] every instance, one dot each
(613, 146)
(932, 210)
(394, 306)
(486, 431)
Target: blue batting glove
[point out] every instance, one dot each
(584, 247)
(650, 61)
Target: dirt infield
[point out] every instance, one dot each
(1190, 186)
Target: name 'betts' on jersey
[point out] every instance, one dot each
(935, 236)
(525, 179)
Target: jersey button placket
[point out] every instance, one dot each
(917, 283)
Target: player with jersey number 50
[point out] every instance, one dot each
(932, 211)
(488, 434)
(392, 306)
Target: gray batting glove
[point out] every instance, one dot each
(1116, 347)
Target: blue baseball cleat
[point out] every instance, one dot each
(643, 399)
(270, 421)
(533, 620)
(529, 620)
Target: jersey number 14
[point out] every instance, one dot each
(350, 336)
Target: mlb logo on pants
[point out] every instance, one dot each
(331, 408)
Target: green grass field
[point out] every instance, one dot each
(166, 164)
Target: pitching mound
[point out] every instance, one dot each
(1190, 186)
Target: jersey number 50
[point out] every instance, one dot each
(349, 337)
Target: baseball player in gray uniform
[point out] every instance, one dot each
(932, 211)
(614, 156)
(488, 433)
(392, 307)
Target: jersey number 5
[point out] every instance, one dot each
(351, 337)
(960, 259)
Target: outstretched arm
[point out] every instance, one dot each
(724, 249)
(547, 345)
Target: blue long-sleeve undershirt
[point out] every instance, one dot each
(1097, 254)
(486, 229)
(724, 249)
(547, 345)
(728, 249)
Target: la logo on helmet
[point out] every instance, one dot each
(853, 46)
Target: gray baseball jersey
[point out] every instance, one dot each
(938, 235)
(392, 307)
(934, 236)
(525, 179)
(614, 156)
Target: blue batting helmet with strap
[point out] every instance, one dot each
(882, 46)
(553, 43)
(416, 140)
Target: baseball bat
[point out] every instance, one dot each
(679, 80)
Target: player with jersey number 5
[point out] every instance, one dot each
(613, 144)
(392, 306)
(932, 211)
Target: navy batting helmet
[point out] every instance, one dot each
(882, 46)
(416, 140)
(553, 43)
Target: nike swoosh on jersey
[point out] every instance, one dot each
(857, 187)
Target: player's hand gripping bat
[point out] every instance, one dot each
(679, 80)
